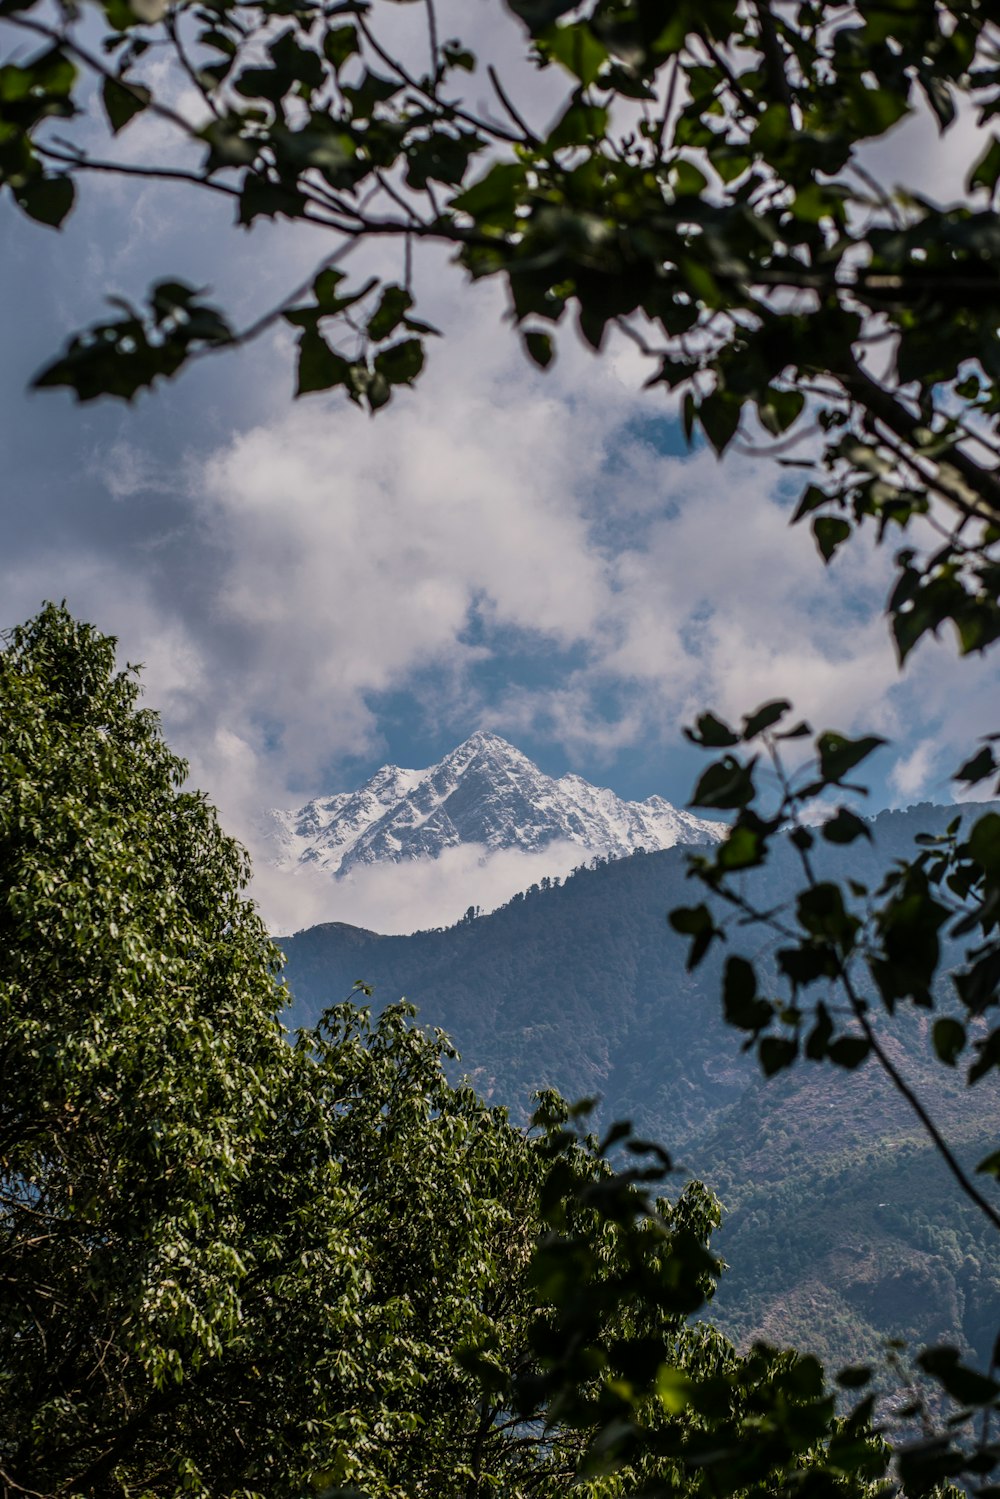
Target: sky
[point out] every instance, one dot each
(314, 592)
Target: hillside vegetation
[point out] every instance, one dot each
(832, 1192)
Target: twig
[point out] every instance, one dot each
(668, 105)
(902, 1086)
(505, 100)
(432, 37)
(173, 31)
(60, 38)
(736, 88)
(124, 169)
(860, 1012)
(406, 77)
(773, 53)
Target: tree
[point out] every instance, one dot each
(235, 1262)
(703, 189)
(229, 1263)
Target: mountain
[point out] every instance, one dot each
(843, 1228)
(485, 793)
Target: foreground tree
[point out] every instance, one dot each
(233, 1264)
(227, 1264)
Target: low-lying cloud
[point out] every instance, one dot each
(414, 895)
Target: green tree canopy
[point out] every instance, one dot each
(236, 1262)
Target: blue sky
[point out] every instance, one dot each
(315, 593)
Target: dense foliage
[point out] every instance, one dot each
(229, 1264)
(232, 1264)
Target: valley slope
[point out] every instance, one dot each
(842, 1229)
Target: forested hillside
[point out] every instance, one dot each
(836, 1201)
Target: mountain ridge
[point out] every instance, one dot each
(486, 793)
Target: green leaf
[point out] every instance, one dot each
(719, 415)
(838, 755)
(673, 1389)
(743, 849)
(845, 827)
(984, 843)
(499, 189)
(579, 124)
(47, 199)
(577, 49)
(727, 784)
(811, 499)
(981, 765)
(695, 922)
(987, 168)
(961, 1383)
(780, 410)
(776, 1053)
(948, 1036)
(765, 717)
(401, 363)
(742, 1006)
(540, 347)
(296, 63)
(260, 198)
(849, 1051)
(441, 156)
(830, 532)
(340, 43)
(711, 733)
(122, 103)
(394, 303)
(319, 366)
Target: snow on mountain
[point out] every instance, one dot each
(486, 793)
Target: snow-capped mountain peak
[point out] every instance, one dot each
(485, 792)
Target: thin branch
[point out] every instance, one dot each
(432, 38)
(668, 105)
(415, 221)
(454, 112)
(735, 87)
(173, 31)
(774, 54)
(902, 1087)
(876, 187)
(61, 39)
(255, 329)
(505, 100)
(124, 169)
(860, 1012)
(885, 406)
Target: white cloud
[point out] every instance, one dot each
(299, 560)
(410, 896)
(912, 773)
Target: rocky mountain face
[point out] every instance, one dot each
(485, 792)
